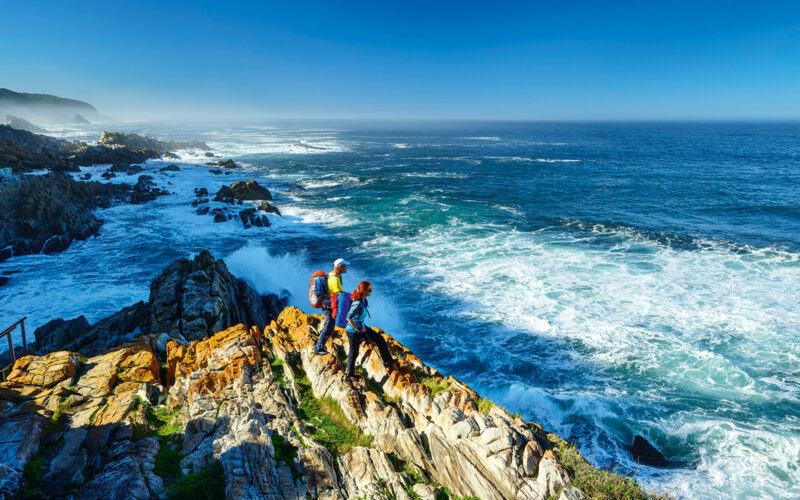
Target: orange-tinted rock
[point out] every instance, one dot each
(44, 371)
(141, 366)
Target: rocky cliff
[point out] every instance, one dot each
(208, 408)
(45, 108)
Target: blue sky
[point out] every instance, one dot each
(490, 60)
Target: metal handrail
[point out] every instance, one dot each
(7, 333)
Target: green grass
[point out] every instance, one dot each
(276, 365)
(162, 421)
(325, 418)
(596, 483)
(286, 453)
(208, 484)
(168, 461)
(34, 470)
(484, 405)
(437, 385)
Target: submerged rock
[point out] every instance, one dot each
(269, 208)
(644, 452)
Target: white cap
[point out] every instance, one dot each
(340, 262)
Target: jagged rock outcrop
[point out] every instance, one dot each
(22, 124)
(224, 164)
(47, 213)
(132, 140)
(25, 151)
(245, 398)
(192, 298)
(646, 453)
(243, 191)
(188, 399)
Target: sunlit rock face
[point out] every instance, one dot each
(247, 410)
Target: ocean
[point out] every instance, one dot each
(602, 279)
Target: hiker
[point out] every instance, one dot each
(334, 288)
(358, 332)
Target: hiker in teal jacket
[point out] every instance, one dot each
(357, 330)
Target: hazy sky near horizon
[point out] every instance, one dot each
(463, 60)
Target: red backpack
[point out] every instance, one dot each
(318, 288)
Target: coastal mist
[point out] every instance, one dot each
(603, 280)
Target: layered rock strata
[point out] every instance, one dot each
(143, 419)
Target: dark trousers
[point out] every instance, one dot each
(327, 325)
(355, 342)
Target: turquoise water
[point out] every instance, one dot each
(604, 280)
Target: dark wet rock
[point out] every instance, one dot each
(269, 208)
(242, 190)
(215, 171)
(224, 164)
(126, 169)
(199, 192)
(644, 452)
(170, 168)
(58, 333)
(87, 176)
(22, 124)
(170, 156)
(220, 217)
(250, 218)
(108, 175)
(46, 213)
(209, 154)
(146, 190)
(3, 280)
(121, 157)
(132, 140)
(199, 201)
(203, 210)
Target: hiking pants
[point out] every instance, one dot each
(355, 342)
(327, 324)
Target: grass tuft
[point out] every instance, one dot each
(325, 418)
(208, 484)
(596, 483)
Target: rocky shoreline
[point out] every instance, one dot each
(209, 389)
(209, 385)
(46, 213)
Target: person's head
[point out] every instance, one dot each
(363, 291)
(340, 266)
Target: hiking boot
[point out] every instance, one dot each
(321, 351)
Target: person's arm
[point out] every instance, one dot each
(355, 313)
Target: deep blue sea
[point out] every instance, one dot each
(602, 279)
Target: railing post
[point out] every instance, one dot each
(11, 349)
(24, 341)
